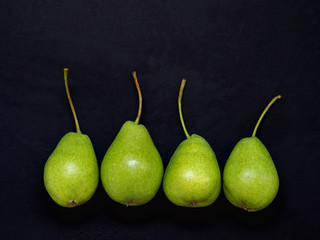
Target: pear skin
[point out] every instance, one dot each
(132, 170)
(250, 178)
(192, 177)
(71, 173)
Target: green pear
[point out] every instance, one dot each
(71, 173)
(250, 178)
(132, 169)
(192, 177)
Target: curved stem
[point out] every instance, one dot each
(134, 74)
(70, 100)
(263, 113)
(183, 83)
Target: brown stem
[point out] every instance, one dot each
(263, 113)
(70, 100)
(134, 74)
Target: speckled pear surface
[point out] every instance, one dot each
(132, 169)
(71, 173)
(250, 178)
(192, 178)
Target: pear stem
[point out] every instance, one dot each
(134, 74)
(263, 113)
(70, 100)
(183, 83)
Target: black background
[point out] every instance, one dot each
(236, 56)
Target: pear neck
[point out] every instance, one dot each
(263, 113)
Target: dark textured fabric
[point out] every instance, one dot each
(236, 55)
